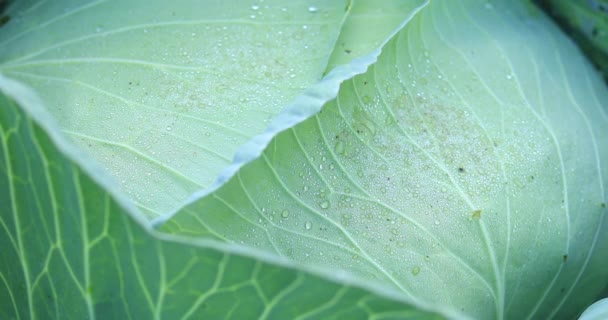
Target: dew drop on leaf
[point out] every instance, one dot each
(339, 148)
(324, 204)
(416, 270)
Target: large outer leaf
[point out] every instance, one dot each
(467, 167)
(163, 94)
(73, 250)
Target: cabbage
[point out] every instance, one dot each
(330, 159)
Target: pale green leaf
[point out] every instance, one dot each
(73, 250)
(466, 168)
(163, 94)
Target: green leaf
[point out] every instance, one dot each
(466, 168)
(164, 95)
(72, 249)
(587, 23)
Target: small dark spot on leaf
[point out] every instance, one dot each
(603, 205)
(348, 51)
(531, 177)
(565, 258)
(460, 169)
(477, 214)
(388, 178)
(594, 32)
(4, 20)
(364, 82)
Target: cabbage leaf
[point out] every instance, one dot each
(302, 159)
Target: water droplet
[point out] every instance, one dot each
(168, 128)
(313, 9)
(509, 76)
(285, 214)
(255, 7)
(308, 225)
(416, 270)
(324, 204)
(339, 148)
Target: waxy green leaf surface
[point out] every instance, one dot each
(73, 250)
(301, 159)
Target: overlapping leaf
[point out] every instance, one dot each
(164, 94)
(72, 250)
(469, 159)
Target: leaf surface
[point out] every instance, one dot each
(467, 167)
(74, 249)
(163, 95)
